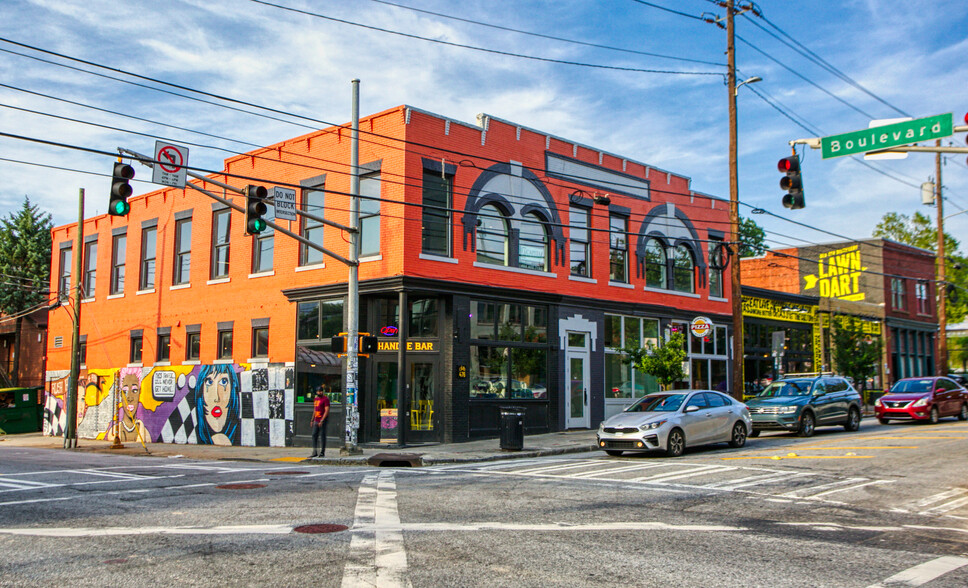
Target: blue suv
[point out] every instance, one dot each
(803, 404)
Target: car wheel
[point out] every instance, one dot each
(754, 433)
(807, 425)
(963, 415)
(853, 420)
(613, 452)
(738, 438)
(676, 443)
(934, 416)
(884, 421)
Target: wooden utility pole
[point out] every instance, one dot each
(941, 362)
(736, 295)
(74, 304)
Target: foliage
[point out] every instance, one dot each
(751, 238)
(919, 231)
(664, 362)
(855, 353)
(25, 250)
(958, 351)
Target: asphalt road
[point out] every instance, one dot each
(885, 506)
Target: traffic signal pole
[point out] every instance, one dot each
(941, 362)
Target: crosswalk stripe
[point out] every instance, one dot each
(808, 491)
(940, 496)
(679, 474)
(947, 506)
(754, 480)
(617, 470)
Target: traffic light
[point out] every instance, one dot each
(120, 189)
(338, 344)
(368, 344)
(791, 182)
(255, 208)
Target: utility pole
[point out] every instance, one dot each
(351, 413)
(941, 362)
(70, 428)
(736, 288)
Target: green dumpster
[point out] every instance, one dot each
(20, 410)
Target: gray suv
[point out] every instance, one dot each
(802, 404)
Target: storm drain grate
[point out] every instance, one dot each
(322, 528)
(240, 486)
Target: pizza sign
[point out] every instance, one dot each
(701, 326)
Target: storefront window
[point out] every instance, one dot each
(536, 324)
(488, 372)
(613, 331)
(483, 315)
(529, 373)
(423, 318)
(308, 320)
(510, 322)
(621, 381)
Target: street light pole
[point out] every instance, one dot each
(941, 363)
(351, 413)
(736, 294)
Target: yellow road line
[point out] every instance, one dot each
(289, 459)
(801, 457)
(861, 447)
(908, 438)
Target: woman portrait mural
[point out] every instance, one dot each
(217, 405)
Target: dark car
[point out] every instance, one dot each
(803, 404)
(922, 399)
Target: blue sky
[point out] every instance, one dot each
(888, 59)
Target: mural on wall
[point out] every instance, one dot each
(220, 404)
(839, 275)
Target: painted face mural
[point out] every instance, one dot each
(217, 405)
(130, 396)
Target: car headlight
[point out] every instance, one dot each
(878, 402)
(601, 426)
(923, 401)
(787, 409)
(652, 425)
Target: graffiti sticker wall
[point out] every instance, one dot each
(218, 404)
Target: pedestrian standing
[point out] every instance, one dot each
(320, 416)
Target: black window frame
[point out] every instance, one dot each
(436, 230)
(182, 263)
(119, 246)
(147, 264)
(221, 247)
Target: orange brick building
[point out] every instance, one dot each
(523, 262)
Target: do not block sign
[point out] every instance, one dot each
(170, 169)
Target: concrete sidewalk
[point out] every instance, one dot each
(387, 455)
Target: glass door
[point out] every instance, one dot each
(386, 401)
(576, 374)
(423, 392)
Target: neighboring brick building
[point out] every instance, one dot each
(889, 285)
(23, 345)
(523, 260)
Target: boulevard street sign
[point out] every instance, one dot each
(885, 137)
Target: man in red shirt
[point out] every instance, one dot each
(320, 414)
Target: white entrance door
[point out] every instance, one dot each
(576, 375)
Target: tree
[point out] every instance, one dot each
(855, 353)
(664, 362)
(25, 250)
(751, 238)
(918, 231)
(958, 351)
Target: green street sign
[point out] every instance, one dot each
(895, 135)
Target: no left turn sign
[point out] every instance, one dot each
(171, 169)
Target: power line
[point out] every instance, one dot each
(485, 49)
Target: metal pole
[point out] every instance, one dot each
(350, 399)
(941, 362)
(403, 384)
(70, 429)
(737, 295)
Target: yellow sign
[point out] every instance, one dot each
(411, 346)
(783, 311)
(838, 274)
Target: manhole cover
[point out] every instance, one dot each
(287, 473)
(316, 529)
(240, 486)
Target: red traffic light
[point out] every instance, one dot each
(789, 164)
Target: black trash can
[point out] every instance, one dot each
(512, 428)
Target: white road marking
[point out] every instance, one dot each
(616, 470)
(943, 508)
(114, 531)
(940, 496)
(376, 556)
(661, 478)
(755, 480)
(21, 484)
(924, 573)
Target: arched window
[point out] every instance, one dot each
(533, 243)
(683, 270)
(655, 265)
(492, 235)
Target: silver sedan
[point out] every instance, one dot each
(673, 420)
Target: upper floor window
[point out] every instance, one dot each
(262, 245)
(136, 343)
(921, 293)
(148, 250)
(370, 214)
(183, 252)
(64, 277)
(118, 247)
(221, 223)
(656, 267)
(312, 230)
(492, 235)
(260, 342)
(90, 269)
(164, 346)
(897, 294)
(580, 244)
(224, 344)
(618, 249)
(684, 270)
(435, 227)
(193, 342)
(715, 273)
(533, 243)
